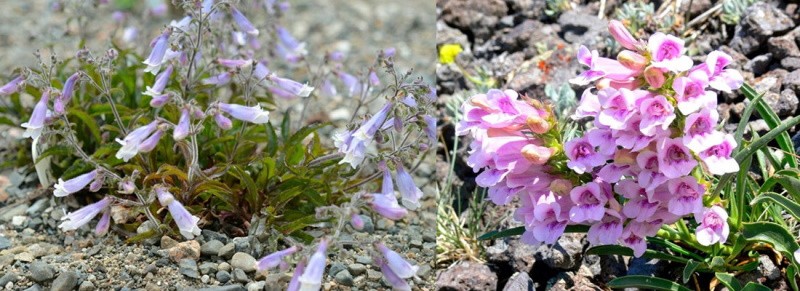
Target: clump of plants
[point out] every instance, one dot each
(192, 135)
(651, 167)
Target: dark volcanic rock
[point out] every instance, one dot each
(476, 16)
(759, 64)
(580, 28)
(761, 21)
(520, 282)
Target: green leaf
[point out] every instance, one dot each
(286, 124)
(774, 133)
(753, 286)
(791, 274)
(770, 233)
(691, 266)
(252, 190)
(301, 134)
(788, 178)
(645, 282)
(791, 207)
(783, 139)
(729, 281)
(495, 234)
(56, 150)
(626, 251)
(272, 140)
(746, 117)
(88, 121)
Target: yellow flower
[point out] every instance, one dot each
(448, 53)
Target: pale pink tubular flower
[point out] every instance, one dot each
(222, 121)
(397, 283)
(12, 86)
(396, 263)
(104, 223)
(589, 105)
(356, 221)
(668, 52)
(654, 77)
(582, 155)
(408, 190)
(159, 101)
(632, 60)
(713, 226)
(699, 133)
(590, 201)
(234, 63)
(151, 142)
(622, 35)
(64, 188)
(160, 45)
(294, 284)
(34, 126)
(720, 78)
(656, 112)
(291, 86)
(68, 90)
(160, 83)
(386, 206)
(288, 48)
(181, 129)
(274, 260)
(674, 159)
(351, 83)
(687, 196)
(606, 231)
(691, 94)
(311, 280)
(252, 114)
(718, 157)
(633, 240)
(187, 223)
(243, 23)
(600, 67)
(130, 144)
(82, 216)
(619, 108)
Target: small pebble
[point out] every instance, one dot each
(41, 272)
(223, 276)
(240, 276)
(65, 282)
(86, 286)
(224, 266)
(243, 261)
(211, 248)
(344, 277)
(227, 250)
(356, 269)
(188, 268)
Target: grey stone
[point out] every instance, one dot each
(244, 261)
(520, 281)
(8, 277)
(35, 287)
(566, 254)
(4, 243)
(790, 63)
(224, 266)
(335, 268)
(38, 206)
(768, 268)
(223, 276)
(8, 214)
(211, 248)
(240, 276)
(783, 46)
(477, 16)
(41, 272)
(242, 244)
(761, 21)
(577, 28)
(644, 266)
(792, 81)
(357, 269)
(255, 286)
(235, 287)
(65, 282)
(759, 64)
(366, 260)
(208, 268)
(227, 250)
(86, 286)
(209, 235)
(188, 268)
(424, 271)
(344, 277)
(467, 276)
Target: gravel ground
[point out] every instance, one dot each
(35, 255)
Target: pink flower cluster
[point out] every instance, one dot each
(654, 132)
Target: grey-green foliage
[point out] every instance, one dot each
(564, 102)
(732, 10)
(635, 14)
(556, 7)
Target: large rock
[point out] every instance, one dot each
(467, 276)
(792, 81)
(784, 104)
(760, 22)
(41, 272)
(566, 254)
(520, 282)
(65, 282)
(476, 16)
(784, 46)
(578, 27)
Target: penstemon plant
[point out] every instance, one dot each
(652, 167)
(184, 139)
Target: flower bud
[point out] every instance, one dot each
(561, 187)
(654, 76)
(126, 186)
(356, 221)
(538, 125)
(632, 60)
(537, 155)
(222, 121)
(97, 183)
(622, 35)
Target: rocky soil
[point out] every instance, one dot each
(515, 42)
(35, 255)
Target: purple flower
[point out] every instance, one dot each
(633, 240)
(328, 90)
(589, 202)
(261, 72)
(389, 52)
(159, 45)
(130, 144)
(387, 187)
(650, 175)
(589, 105)
(373, 78)
(250, 114)
(396, 263)
(397, 283)
(243, 23)
(607, 231)
(408, 190)
(294, 284)
(219, 80)
(600, 67)
(291, 86)
(287, 47)
(126, 186)
(713, 226)
(690, 93)
(640, 208)
(386, 206)
(104, 223)
(34, 126)
(274, 259)
(311, 279)
(603, 140)
(187, 223)
(582, 155)
(181, 130)
(668, 53)
(720, 78)
(64, 188)
(97, 183)
(151, 142)
(161, 83)
(718, 157)
(354, 146)
(356, 221)
(687, 196)
(622, 35)
(699, 133)
(234, 64)
(656, 112)
(222, 121)
(159, 101)
(674, 159)
(619, 108)
(12, 86)
(430, 128)
(82, 216)
(351, 83)
(69, 88)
